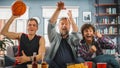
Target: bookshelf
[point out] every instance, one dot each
(108, 19)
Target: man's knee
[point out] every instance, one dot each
(109, 66)
(79, 60)
(9, 61)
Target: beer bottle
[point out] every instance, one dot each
(34, 62)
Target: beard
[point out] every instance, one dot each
(64, 33)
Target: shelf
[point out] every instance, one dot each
(108, 19)
(102, 24)
(110, 34)
(112, 4)
(105, 14)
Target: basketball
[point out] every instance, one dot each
(18, 8)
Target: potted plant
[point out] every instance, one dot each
(4, 42)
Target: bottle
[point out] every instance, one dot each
(34, 62)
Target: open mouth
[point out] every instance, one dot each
(63, 28)
(88, 36)
(31, 30)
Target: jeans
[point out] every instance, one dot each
(109, 59)
(52, 64)
(11, 61)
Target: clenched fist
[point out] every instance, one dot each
(93, 49)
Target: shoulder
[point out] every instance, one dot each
(77, 34)
(41, 38)
(22, 35)
(42, 41)
(50, 25)
(82, 42)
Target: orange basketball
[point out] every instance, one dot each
(18, 8)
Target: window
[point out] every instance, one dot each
(5, 14)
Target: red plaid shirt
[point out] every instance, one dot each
(82, 48)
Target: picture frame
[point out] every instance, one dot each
(86, 16)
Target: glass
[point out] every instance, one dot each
(44, 65)
(30, 65)
(89, 64)
(101, 65)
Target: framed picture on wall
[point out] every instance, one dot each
(86, 16)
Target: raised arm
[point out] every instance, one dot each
(5, 29)
(106, 42)
(51, 26)
(72, 22)
(60, 6)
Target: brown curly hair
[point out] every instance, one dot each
(87, 26)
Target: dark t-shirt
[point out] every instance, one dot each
(28, 46)
(64, 54)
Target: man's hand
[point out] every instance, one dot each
(23, 58)
(70, 19)
(69, 14)
(93, 49)
(72, 22)
(60, 5)
(98, 35)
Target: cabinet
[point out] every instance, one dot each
(108, 20)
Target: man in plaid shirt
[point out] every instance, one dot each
(91, 46)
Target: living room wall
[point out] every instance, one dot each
(35, 8)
